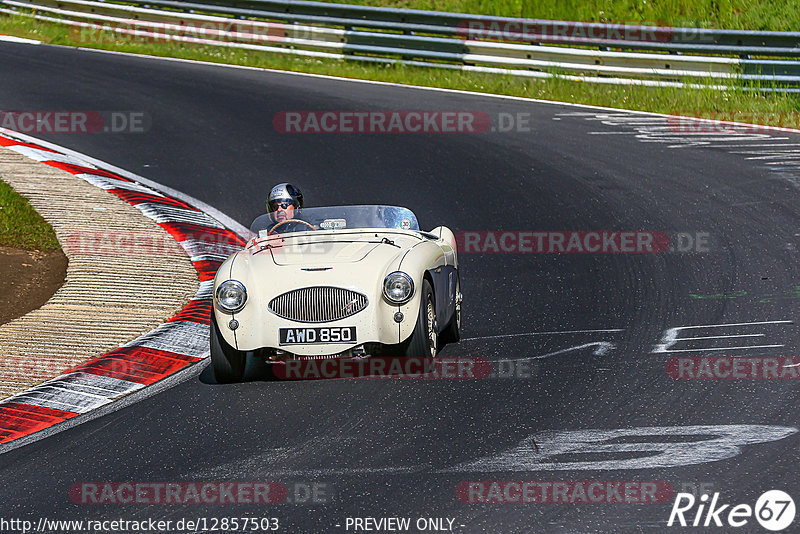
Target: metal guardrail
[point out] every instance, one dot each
(686, 39)
(604, 53)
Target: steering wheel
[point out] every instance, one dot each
(272, 230)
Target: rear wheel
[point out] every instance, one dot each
(226, 362)
(424, 342)
(452, 333)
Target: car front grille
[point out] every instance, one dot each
(318, 304)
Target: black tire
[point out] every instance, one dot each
(452, 333)
(226, 362)
(424, 342)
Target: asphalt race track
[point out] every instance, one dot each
(584, 333)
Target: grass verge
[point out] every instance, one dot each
(21, 226)
(774, 15)
(735, 103)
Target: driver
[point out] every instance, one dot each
(282, 202)
(283, 205)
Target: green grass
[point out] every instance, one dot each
(735, 103)
(778, 15)
(21, 226)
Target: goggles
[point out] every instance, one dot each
(283, 204)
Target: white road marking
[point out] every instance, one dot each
(757, 145)
(20, 40)
(734, 324)
(723, 337)
(784, 158)
(670, 337)
(538, 452)
(723, 348)
(736, 136)
(772, 151)
(667, 132)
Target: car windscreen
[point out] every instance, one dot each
(338, 218)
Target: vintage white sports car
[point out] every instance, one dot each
(336, 282)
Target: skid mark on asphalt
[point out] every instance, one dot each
(681, 132)
(603, 348)
(544, 334)
(531, 346)
(517, 348)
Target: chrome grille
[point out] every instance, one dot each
(318, 304)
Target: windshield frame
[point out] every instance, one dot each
(341, 218)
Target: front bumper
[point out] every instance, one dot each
(258, 329)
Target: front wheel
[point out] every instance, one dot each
(452, 333)
(226, 362)
(424, 342)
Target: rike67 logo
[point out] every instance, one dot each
(774, 510)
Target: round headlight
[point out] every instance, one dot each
(231, 296)
(398, 288)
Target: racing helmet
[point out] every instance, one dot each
(283, 193)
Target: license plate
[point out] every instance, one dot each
(320, 334)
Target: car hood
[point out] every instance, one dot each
(325, 249)
(310, 252)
